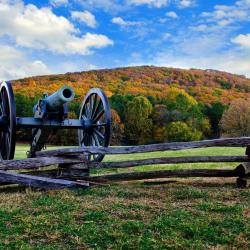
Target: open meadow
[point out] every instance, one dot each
(193, 213)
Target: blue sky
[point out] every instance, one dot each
(58, 36)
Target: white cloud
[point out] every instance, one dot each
(212, 50)
(120, 21)
(243, 40)
(228, 15)
(115, 6)
(57, 3)
(106, 5)
(84, 16)
(36, 28)
(171, 14)
(14, 64)
(154, 3)
(230, 61)
(74, 66)
(186, 3)
(158, 41)
(200, 27)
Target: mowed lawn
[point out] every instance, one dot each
(198, 213)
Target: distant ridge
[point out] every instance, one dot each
(207, 86)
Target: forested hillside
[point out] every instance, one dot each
(207, 86)
(149, 104)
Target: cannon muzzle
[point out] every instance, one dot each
(60, 97)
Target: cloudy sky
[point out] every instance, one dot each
(58, 36)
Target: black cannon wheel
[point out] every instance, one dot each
(7, 122)
(96, 117)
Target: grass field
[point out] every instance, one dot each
(187, 214)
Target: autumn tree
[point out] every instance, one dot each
(117, 128)
(160, 117)
(138, 125)
(236, 120)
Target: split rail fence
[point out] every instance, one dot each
(71, 169)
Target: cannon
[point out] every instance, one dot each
(50, 115)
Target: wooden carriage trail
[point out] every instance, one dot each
(72, 165)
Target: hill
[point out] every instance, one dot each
(207, 86)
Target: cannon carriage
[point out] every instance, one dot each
(50, 115)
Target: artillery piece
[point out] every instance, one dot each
(50, 115)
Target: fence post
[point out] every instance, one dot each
(241, 181)
(67, 170)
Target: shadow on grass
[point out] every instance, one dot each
(201, 183)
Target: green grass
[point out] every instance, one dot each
(194, 213)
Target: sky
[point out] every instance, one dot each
(59, 36)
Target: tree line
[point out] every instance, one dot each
(138, 119)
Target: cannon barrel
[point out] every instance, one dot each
(60, 97)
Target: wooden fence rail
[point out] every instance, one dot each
(225, 142)
(73, 166)
(40, 162)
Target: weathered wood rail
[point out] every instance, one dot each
(225, 142)
(72, 166)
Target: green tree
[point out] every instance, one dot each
(180, 131)
(214, 113)
(119, 102)
(138, 124)
(24, 105)
(183, 107)
(24, 108)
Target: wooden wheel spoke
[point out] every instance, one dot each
(86, 109)
(98, 116)
(99, 124)
(93, 141)
(83, 137)
(1, 109)
(99, 134)
(94, 104)
(96, 110)
(89, 140)
(90, 102)
(96, 143)
(86, 140)
(96, 140)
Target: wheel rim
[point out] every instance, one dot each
(96, 117)
(7, 122)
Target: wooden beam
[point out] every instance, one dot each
(164, 174)
(232, 142)
(35, 163)
(167, 160)
(60, 173)
(40, 182)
